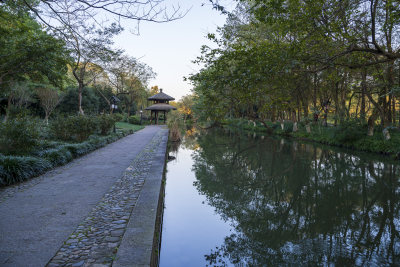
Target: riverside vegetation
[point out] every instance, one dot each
(310, 64)
(349, 134)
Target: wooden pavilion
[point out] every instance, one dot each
(161, 104)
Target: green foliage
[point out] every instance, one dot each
(27, 50)
(18, 135)
(58, 156)
(128, 127)
(77, 128)
(134, 120)
(349, 132)
(14, 169)
(90, 101)
(82, 127)
(105, 123)
(118, 116)
(175, 125)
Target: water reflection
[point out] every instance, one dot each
(296, 203)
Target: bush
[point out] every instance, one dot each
(18, 135)
(59, 128)
(15, 169)
(79, 149)
(90, 101)
(77, 128)
(134, 120)
(175, 125)
(349, 132)
(58, 156)
(118, 116)
(105, 123)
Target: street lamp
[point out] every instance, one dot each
(114, 100)
(141, 116)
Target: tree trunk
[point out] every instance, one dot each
(363, 91)
(80, 110)
(8, 107)
(315, 92)
(337, 104)
(128, 110)
(46, 117)
(394, 110)
(371, 123)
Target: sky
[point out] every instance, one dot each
(169, 48)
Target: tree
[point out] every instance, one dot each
(154, 90)
(130, 78)
(49, 99)
(281, 59)
(89, 53)
(185, 106)
(56, 14)
(28, 53)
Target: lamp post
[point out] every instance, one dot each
(114, 100)
(141, 116)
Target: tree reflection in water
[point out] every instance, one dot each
(295, 203)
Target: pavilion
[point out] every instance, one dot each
(161, 104)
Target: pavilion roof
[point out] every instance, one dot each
(161, 106)
(161, 96)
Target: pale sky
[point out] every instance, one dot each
(170, 47)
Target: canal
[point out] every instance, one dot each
(244, 200)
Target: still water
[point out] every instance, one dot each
(235, 199)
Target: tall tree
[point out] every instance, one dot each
(130, 78)
(27, 52)
(90, 52)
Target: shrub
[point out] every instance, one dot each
(118, 116)
(59, 128)
(288, 127)
(58, 156)
(15, 169)
(134, 120)
(175, 126)
(349, 132)
(79, 149)
(83, 127)
(105, 123)
(18, 135)
(77, 128)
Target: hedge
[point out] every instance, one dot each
(14, 169)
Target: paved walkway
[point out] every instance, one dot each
(76, 215)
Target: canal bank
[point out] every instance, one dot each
(99, 210)
(349, 136)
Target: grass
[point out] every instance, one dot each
(128, 126)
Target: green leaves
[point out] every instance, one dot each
(28, 51)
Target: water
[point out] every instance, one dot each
(233, 199)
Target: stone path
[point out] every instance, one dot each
(76, 215)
